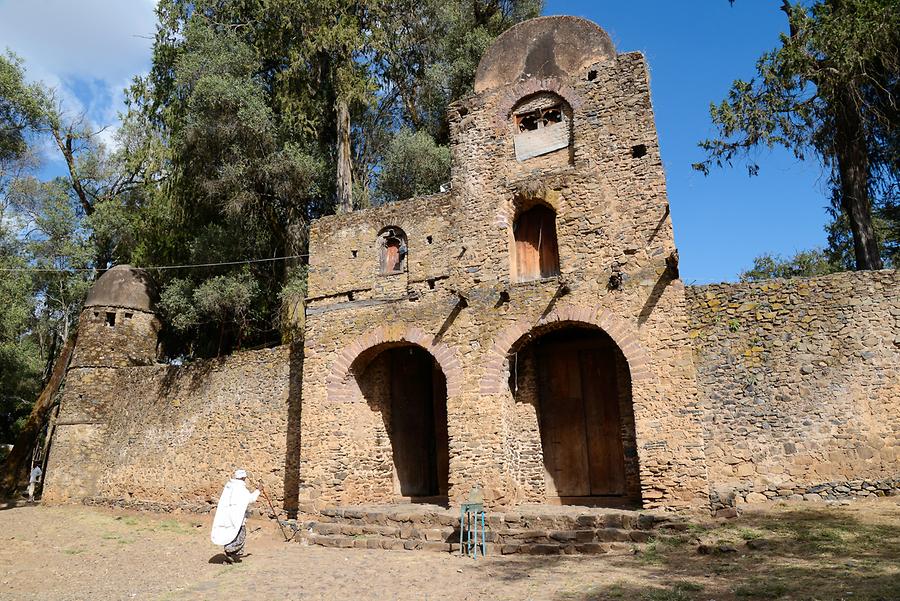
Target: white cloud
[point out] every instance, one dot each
(88, 49)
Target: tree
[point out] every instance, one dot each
(804, 264)
(413, 164)
(265, 116)
(829, 89)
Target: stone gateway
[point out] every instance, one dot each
(525, 333)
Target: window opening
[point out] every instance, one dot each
(110, 319)
(129, 315)
(639, 151)
(393, 250)
(537, 252)
(539, 118)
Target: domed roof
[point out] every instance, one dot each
(122, 286)
(543, 47)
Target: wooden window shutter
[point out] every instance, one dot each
(537, 251)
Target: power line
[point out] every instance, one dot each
(157, 267)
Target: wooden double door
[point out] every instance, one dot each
(581, 426)
(418, 393)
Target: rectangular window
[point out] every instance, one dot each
(110, 318)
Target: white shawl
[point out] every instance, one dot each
(230, 512)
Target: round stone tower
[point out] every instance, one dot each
(118, 326)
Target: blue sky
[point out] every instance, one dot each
(695, 49)
(90, 50)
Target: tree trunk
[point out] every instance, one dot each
(853, 170)
(15, 468)
(344, 168)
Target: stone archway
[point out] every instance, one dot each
(339, 383)
(496, 370)
(586, 341)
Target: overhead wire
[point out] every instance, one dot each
(156, 267)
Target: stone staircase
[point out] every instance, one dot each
(536, 530)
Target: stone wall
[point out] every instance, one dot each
(459, 300)
(115, 337)
(800, 382)
(172, 435)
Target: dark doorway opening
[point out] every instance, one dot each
(407, 385)
(580, 383)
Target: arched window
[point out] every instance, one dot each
(542, 123)
(392, 250)
(537, 252)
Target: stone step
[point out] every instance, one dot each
(527, 530)
(550, 548)
(384, 542)
(404, 531)
(628, 520)
(566, 537)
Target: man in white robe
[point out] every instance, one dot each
(228, 524)
(33, 479)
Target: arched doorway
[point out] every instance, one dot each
(405, 383)
(579, 382)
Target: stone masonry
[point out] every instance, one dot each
(553, 240)
(458, 299)
(800, 382)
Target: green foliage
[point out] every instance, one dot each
(236, 124)
(413, 164)
(804, 264)
(20, 110)
(885, 220)
(829, 90)
(43, 225)
(226, 153)
(225, 303)
(295, 286)
(20, 359)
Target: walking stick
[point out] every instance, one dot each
(274, 515)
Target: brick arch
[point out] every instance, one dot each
(528, 87)
(623, 334)
(521, 199)
(339, 383)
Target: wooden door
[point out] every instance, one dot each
(537, 252)
(580, 422)
(603, 425)
(563, 435)
(412, 422)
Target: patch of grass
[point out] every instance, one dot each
(749, 533)
(173, 526)
(680, 591)
(110, 536)
(128, 520)
(73, 551)
(761, 589)
(696, 529)
(675, 542)
(651, 552)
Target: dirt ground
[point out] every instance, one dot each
(799, 551)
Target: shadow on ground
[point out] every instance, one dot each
(820, 553)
